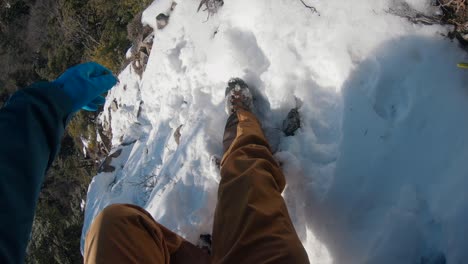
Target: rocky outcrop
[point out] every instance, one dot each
(141, 50)
(143, 37)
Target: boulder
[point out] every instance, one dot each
(162, 20)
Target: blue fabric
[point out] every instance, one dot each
(32, 124)
(85, 83)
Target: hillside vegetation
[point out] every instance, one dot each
(40, 39)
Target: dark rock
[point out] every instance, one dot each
(129, 142)
(106, 136)
(173, 6)
(114, 105)
(162, 20)
(140, 109)
(177, 135)
(292, 122)
(106, 165)
(216, 161)
(116, 154)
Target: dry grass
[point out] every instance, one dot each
(211, 6)
(455, 13)
(457, 5)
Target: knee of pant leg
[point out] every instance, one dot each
(106, 222)
(118, 213)
(113, 211)
(118, 218)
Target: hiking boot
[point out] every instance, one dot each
(238, 96)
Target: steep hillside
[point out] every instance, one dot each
(376, 173)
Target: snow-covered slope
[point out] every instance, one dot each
(376, 174)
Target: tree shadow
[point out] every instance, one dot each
(400, 159)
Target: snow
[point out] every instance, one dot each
(376, 174)
(420, 5)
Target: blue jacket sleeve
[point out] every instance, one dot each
(32, 124)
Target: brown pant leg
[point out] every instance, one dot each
(252, 224)
(124, 233)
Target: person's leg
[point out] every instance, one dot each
(252, 223)
(124, 233)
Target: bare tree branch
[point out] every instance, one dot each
(413, 15)
(311, 8)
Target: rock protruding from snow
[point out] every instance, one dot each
(292, 122)
(142, 44)
(177, 135)
(106, 165)
(162, 20)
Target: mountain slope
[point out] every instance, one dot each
(376, 172)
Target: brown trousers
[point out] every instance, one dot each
(251, 223)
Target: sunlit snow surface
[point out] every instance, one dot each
(377, 173)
